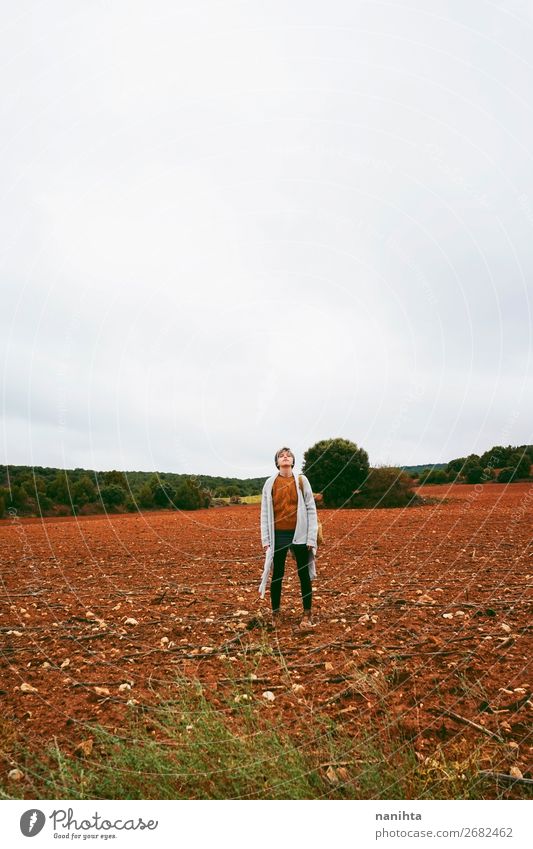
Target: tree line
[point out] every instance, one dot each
(46, 491)
(338, 471)
(500, 464)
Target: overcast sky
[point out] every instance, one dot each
(232, 226)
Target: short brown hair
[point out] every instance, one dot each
(278, 452)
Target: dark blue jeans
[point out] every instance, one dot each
(283, 541)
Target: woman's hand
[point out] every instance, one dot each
(309, 547)
(266, 547)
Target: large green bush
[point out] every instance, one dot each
(335, 468)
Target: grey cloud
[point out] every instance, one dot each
(194, 197)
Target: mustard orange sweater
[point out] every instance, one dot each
(285, 502)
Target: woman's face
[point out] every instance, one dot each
(285, 459)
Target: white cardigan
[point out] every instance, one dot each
(304, 533)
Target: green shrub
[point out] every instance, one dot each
(164, 494)
(112, 495)
(385, 486)
(58, 488)
(518, 467)
(335, 468)
(521, 464)
(474, 474)
(19, 497)
(437, 476)
(145, 495)
(189, 496)
(114, 477)
(84, 491)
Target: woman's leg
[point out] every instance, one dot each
(281, 547)
(302, 555)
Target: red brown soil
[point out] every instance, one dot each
(420, 612)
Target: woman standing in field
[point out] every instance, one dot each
(288, 520)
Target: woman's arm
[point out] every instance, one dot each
(265, 536)
(312, 517)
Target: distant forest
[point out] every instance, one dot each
(45, 491)
(42, 490)
(499, 463)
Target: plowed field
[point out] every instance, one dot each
(424, 622)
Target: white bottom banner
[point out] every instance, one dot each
(268, 824)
